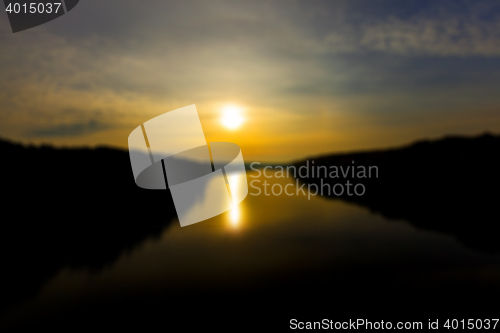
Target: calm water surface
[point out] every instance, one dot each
(263, 239)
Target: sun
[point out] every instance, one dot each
(231, 117)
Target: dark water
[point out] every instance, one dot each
(271, 259)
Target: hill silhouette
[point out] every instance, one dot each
(77, 208)
(449, 186)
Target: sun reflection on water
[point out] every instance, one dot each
(235, 216)
(235, 180)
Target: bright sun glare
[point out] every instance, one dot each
(231, 117)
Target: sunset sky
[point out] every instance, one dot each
(307, 77)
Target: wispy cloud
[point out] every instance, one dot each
(65, 130)
(369, 60)
(451, 36)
